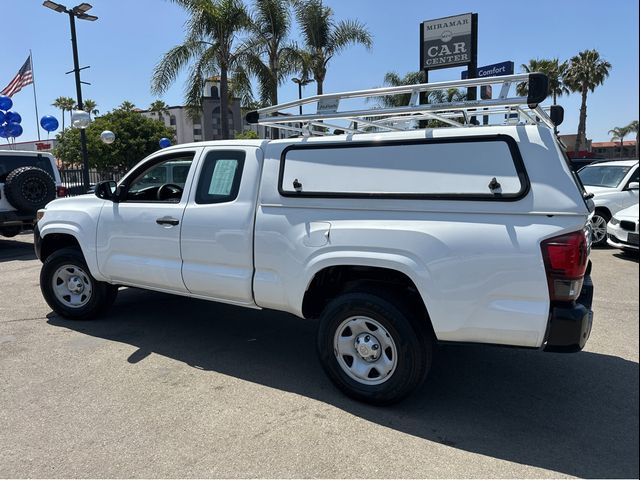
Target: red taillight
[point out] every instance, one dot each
(565, 260)
(61, 191)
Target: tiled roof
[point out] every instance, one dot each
(626, 143)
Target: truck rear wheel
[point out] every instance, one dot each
(70, 289)
(372, 349)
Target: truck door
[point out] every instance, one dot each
(217, 225)
(138, 240)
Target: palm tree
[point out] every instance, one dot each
(90, 106)
(586, 71)
(618, 134)
(324, 38)
(633, 128)
(126, 106)
(392, 79)
(159, 107)
(209, 48)
(448, 96)
(555, 72)
(269, 55)
(64, 104)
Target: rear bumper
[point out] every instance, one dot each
(570, 322)
(17, 218)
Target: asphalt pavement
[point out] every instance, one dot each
(165, 386)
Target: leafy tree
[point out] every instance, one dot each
(586, 71)
(64, 104)
(90, 106)
(209, 48)
(618, 134)
(633, 128)
(136, 137)
(555, 72)
(324, 38)
(270, 57)
(247, 134)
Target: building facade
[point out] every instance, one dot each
(32, 146)
(206, 124)
(611, 150)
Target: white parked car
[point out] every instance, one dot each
(614, 186)
(394, 241)
(622, 230)
(28, 181)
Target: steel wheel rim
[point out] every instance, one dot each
(356, 354)
(598, 228)
(72, 286)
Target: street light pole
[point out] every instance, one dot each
(79, 11)
(301, 82)
(76, 71)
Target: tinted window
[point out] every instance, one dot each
(9, 163)
(220, 177)
(603, 175)
(435, 167)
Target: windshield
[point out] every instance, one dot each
(603, 175)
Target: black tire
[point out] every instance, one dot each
(409, 332)
(598, 222)
(29, 188)
(10, 231)
(101, 295)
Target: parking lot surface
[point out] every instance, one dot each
(165, 386)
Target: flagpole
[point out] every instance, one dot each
(35, 99)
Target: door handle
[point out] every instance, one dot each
(167, 221)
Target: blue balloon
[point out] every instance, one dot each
(12, 117)
(49, 123)
(13, 129)
(1, 117)
(164, 142)
(3, 132)
(5, 102)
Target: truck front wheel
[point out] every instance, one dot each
(372, 348)
(70, 289)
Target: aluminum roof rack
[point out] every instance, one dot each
(509, 109)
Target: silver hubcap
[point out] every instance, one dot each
(365, 350)
(598, 229)
(71, 286)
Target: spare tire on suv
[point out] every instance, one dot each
(29, 188)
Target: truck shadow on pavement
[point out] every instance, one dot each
(16, 249)
(576, 414)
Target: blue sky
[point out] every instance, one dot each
(130, 37)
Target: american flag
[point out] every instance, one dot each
(23, 78)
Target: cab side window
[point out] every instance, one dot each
(162, 181)
(220, 177)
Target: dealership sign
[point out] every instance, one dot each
(493, 70)
(448, 42)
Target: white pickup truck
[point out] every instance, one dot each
(395, 241)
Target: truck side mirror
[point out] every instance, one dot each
(633, 186)
(108, 190)
(557, 114)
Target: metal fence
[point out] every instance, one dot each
(72, 179)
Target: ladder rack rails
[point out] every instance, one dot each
(516, 109)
